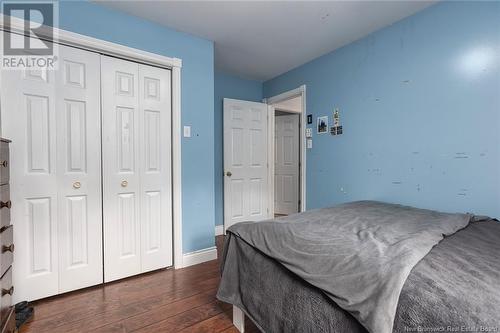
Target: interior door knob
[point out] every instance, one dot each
(124, 183)
(4, 164)
(77, 185)
(229, 174)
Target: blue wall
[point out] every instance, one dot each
(420, 106)
(227, 86)
(197, 101)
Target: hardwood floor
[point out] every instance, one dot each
(163, 301)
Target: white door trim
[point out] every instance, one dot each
(300, 91)
(93, 44)
(271, 123)
(128, 53)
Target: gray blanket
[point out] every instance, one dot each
(359, 254)
(454, 288)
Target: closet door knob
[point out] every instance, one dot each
(4, 164)
(124, 183)
(77, 185)
(9, 248)
(9, 291)
(7, 204)
(229, 173)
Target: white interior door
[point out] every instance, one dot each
(156, 172)
(52, 118)
(136, 108)
(79, 169)
(246, 165)
(286, 165)
(121, 175)
(29, 120)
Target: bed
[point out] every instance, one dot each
(413, 271)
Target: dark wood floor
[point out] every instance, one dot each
(164, 301)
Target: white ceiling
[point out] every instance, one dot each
(292, 104)
(262, 39)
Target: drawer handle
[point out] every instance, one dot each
(77, 185)
(7, 204)
(9, 248)
(5, 163)
(9, 291)
(124, 183)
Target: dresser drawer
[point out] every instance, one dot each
(6, 290)
(5, 205)
(4, 162)
(6, 249)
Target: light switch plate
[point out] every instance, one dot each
(308, 132)
(187, 131)
(309, 143)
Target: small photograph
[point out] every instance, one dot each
(322, 124)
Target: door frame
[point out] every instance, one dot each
(300, 91)
(72, 39)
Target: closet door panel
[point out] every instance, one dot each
(121, 175)
(79, 169)
(29, 115)
(155, 151)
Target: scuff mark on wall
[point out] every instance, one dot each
(461, 155)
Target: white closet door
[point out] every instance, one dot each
(29, 120)
(79, 169)
(121, 174)
(57, 230)
(136, 103)
(156, 174)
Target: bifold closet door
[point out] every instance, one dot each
(53, 120)
(136, 109)
(155, 109)
(79, 164)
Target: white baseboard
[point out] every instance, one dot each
(197, 257)
(219, 230)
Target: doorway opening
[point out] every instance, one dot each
(249, 156)
(287, 152)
